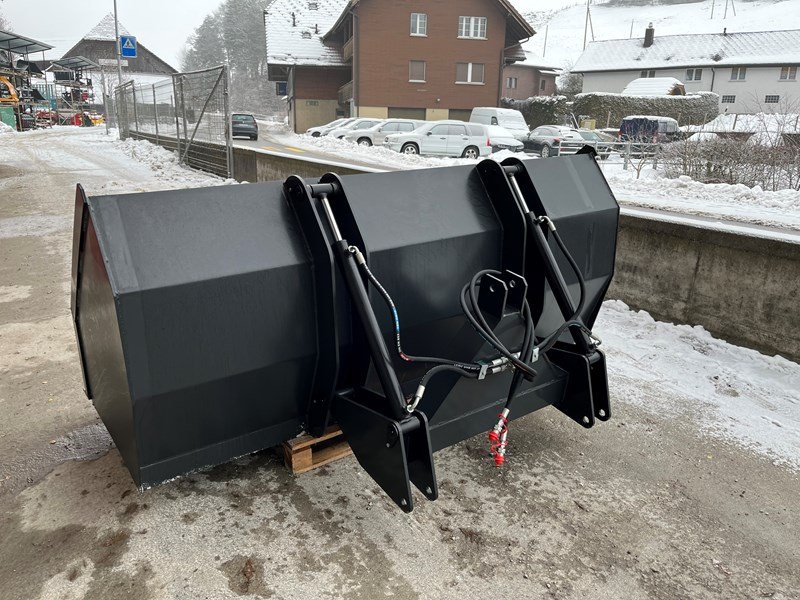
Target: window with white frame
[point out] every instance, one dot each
(771, 99)
(728, 99)
(738, 73)
(788, 73)
(416, 71)
(469, 72)
(694, 74)
(472, 27)
(647, 73)
(419, 24)
(511, 83)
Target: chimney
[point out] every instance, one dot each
(725, 31)
(649, 34)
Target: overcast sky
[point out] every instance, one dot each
(161, 25)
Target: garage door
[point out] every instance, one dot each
(407, 113)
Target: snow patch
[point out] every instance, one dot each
(731, 393)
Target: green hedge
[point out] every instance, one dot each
(687, 110)
(539, 110)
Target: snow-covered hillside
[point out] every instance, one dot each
(566, 19)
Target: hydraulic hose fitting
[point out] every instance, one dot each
(497, 430)
(415, 399)
(500, 451)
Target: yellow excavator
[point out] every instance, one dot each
(9, 102)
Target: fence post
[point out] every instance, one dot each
(227, 115)
(135, 111)
(155, 111)
(626, 159)
(173, 100)
(185, 124)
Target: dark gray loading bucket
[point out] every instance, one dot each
(198, 311)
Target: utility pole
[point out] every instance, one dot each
(119, 50)
(712, 8)
(631, 33)
(544, 49)
(585, 26)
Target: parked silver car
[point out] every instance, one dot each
(443, 138)
(501, 138)
(323, 129)
(376, 135)
(354, 125)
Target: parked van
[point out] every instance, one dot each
(649, 129)
(507, 118)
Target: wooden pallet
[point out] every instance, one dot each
(305, 453)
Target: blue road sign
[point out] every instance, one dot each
(127, 46)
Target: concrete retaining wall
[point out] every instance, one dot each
(742, 288)
(261, 165)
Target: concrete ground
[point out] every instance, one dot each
(644, 506)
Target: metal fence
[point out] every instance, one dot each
(189, 113)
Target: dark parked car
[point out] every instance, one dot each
(244, 125)
(552, 140)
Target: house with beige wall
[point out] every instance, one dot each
(751, 72)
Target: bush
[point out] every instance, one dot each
(612, 108)
(770, 166)
(539, 110)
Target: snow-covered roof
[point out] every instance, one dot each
(535, 61)
(695, 50)
(653, 86)
(104, 30)
(294, 32)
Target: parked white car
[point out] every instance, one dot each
(507, 118)
(501, 138)
(376, 135)
(354, 125)
(323, 129)
(443, 138)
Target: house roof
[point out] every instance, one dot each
(104, 30)
(296, 32)
(535, 61)
(652, 86)
(20, 44)
(695, 50)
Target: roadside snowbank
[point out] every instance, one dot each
(716, 200)
(732, 393)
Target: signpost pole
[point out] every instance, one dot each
(119, 49)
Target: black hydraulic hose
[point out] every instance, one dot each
(408, 357)
(444, 368)
(469, 304)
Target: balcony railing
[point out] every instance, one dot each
(346, 93)
(347, 50)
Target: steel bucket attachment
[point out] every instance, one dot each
(220, 321)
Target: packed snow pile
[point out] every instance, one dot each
(684, 195)
(6, 128)
(732, 393)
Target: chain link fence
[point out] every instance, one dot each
(189, 114)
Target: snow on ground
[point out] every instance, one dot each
(714, 200)
(89, 149)
(651, 190)
(566, 26)
(732, 393)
